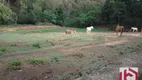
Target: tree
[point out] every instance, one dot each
(6, 14)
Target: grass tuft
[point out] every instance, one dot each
(79, 55)
(54, 59)
(35, 61)
(37, 45)
(14, 65)
(3, 49)
(2, 53)
(13, 45)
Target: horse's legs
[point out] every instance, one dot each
(121, 32)
(116, 32)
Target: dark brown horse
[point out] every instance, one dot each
(119, 29)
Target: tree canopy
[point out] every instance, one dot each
(79, 13)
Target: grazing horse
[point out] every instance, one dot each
(119, 29)
(134, 29)
(70, 31)
(88, 29)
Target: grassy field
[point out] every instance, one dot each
(24, 41)
(50, 53)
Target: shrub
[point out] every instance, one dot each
(13, 45)
(6, 14)
(3, 49)
(79, 55)
(37, 45)
(2, 53)
(54, 59)
(35, 61)
(15, 65)
(27, 18)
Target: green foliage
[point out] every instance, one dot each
(68, 13)
(50, 16)
(37, 45)
(35, 61)
(54, 59)
(6, 14)
(2, 53)
(13, 45)
(79, 55)
(31, 17)
(27, 18)
(3, 49)
(14, 65)
(89, 18)
(127, 12)
(77, 13)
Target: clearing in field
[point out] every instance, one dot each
(45, 53)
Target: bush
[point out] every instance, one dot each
(79, 55)
(27, 18)
(2, 53)
(54, 59)
(35, 61)
(6, 14)
(32, 19)
(50, 16)
(13, 45)
(3, 49)
(15, 65)
(37, 45)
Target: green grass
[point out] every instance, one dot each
(3, 49)
(20, 43)
(25, 41)
(36, 61)
(37, 45)
(79, 55)
(2, 53)
(13, 45)
(55, 55)
(58, 30)
(14, 65)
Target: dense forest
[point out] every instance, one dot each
(78, 13)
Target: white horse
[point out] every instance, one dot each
(88, 29)
(134, 29)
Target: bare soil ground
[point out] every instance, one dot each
(29, 28)
(100, 61)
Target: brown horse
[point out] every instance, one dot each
(119, 29)
(70, 31)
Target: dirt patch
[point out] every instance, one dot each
(89, 46)
(29, 28)
(111, 72)
(38, 27)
